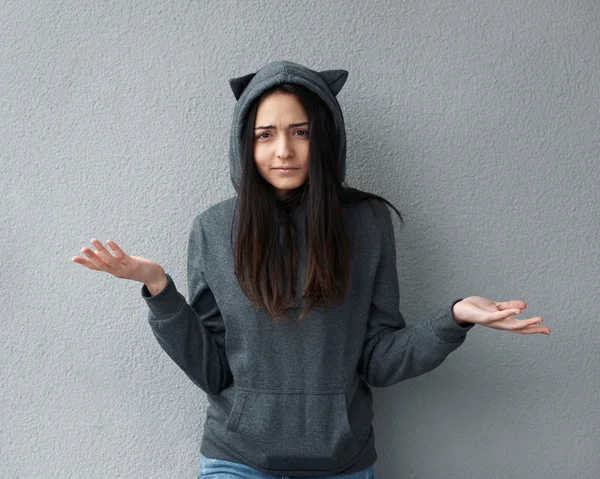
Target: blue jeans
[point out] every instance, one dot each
(221, 469)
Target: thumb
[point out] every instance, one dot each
(503, 314)
(512, 304)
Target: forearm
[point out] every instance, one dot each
(394, 355)
(191, 346)
(184, 336)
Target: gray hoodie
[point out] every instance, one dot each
(291, 398)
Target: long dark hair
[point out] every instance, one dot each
(266, 273)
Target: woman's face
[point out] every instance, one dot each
(281, 141)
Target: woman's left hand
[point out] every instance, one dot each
(497, 315)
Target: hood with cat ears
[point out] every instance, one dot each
(327, 84)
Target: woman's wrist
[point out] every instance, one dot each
(460, 322)
(157, 284)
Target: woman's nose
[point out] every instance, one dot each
(283, 147)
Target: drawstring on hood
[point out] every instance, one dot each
(327, 84)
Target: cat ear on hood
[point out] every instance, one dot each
(335, 79)
(238, 84)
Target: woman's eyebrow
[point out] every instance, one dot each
(273, 126)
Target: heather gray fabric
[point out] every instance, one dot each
(289, 398)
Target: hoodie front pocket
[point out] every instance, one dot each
(290, 431)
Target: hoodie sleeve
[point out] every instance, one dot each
(392, 351)
(191, 334)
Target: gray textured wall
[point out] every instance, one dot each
(477, 119)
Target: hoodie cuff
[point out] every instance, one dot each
(446, 327)
(165, 304)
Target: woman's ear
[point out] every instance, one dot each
(335, 79)
(238, 84)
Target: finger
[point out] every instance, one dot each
(94, 258)
(499, 315)
(84, 262)
(106, 256)
(512, 304)
(525, 323)
(534, 330)
(119, 253)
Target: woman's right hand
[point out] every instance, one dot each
(120, 265)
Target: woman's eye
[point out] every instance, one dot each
(304, 133)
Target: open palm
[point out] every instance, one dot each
(498, 315)
(120, 265)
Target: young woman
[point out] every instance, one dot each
(293, 294)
